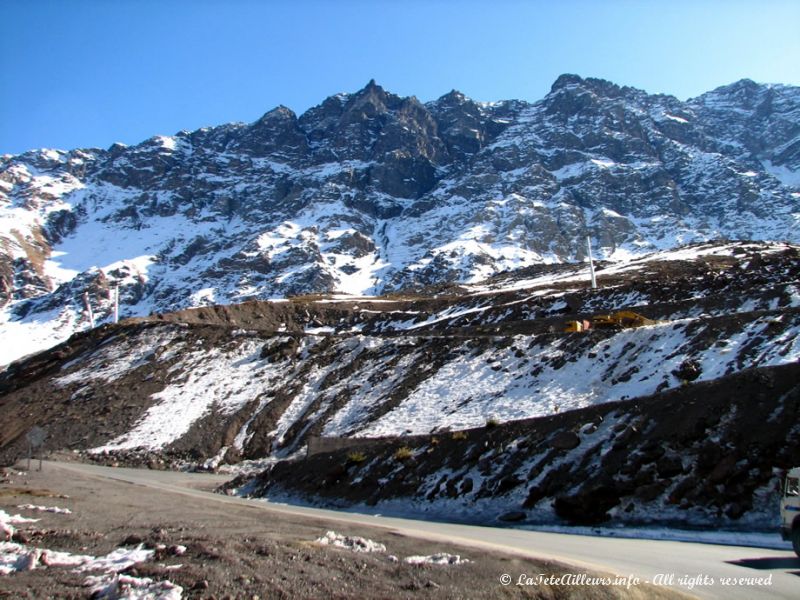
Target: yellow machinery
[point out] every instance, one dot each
(622, 319)
(577, 326)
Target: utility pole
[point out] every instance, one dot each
(88, 306)
(113, 293)
(35, 437)
(591, 262)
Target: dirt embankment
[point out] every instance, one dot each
(709, 452)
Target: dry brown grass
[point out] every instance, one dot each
(36, 493)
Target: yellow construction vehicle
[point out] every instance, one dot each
(577, 326)
(622, 319)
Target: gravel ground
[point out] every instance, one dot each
(247, 552)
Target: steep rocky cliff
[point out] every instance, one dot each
(370, 193)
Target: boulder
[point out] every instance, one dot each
(565, 440)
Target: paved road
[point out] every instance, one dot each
(645, 559)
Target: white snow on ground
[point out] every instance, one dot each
(354, 543)
(14, 519)
(115, 358)
(501, 382)
(445, 315)
(535, 376)
(222, 379)
(623, 262)
(441, 558)
(128, 255)
(203, 297)
(177, 549)
(31, 335)
(360, 544)
(308, 231)
(118, 560)
(532, 376)
(50, 509)
(603, 163)
(783, 174)
(7, 523)
(110, 584)
(19, 557)
(125, 587)
(459, 395)
(675, 118)
(570, 171)
(124, 249)
(21, 222)
(308, 394)
(319, 330)
(167, 142)
(102, 236)
(375, 381)
(211, 379)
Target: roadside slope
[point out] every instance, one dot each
(706, 454)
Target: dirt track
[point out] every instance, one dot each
(243, 552)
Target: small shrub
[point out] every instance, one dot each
(403, 453)
(459, 436)
(356, 458)
(491, 423)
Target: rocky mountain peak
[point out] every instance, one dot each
(116, 149)
(572, 95)
(743, 88)
(577, 86)
(372, 86)
(758, 122)
(750, 96)
(277, 132)
(451, 99)
(370, 101)
(464, 126)
(566, 80)
(370, 192)
(279, 113)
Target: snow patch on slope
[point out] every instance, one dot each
(219, 379)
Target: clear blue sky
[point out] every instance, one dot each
(81, 73)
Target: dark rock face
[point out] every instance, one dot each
(446, 191)
(565, 440)
(688, 371)
(463, 125)
(587, 507)
(512, 516)
(276, 134)
(753, 121)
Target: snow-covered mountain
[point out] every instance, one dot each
(370, 193)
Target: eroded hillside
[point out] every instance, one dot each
(704, 454)
(255, 380)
